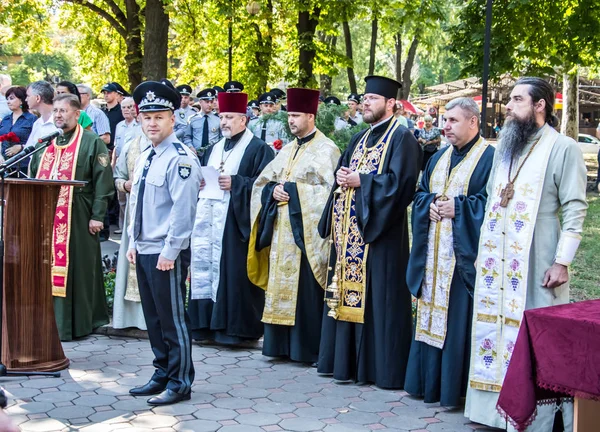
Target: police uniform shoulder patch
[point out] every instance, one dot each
(180, 149)
(184, 170)
(103, 159)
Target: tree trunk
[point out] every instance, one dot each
(350, 69)
(410, 61)
(570, 113)
(306, 26)
(326, 81)
(156, 41)
(398, 45)
(264, 48)
(373, 49)
(127, 25)
(133, 43)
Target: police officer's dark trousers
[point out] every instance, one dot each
(163, 302)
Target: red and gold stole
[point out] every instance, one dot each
(59, 162)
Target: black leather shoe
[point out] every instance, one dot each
(148, 389)
(168, 397)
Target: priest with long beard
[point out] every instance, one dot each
(524, 249)
(367, 328)
(224, 305)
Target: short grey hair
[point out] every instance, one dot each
(71, 99)
(467, 105)
(85, 89)
(5, 80)
(127, 99)
(44, 90)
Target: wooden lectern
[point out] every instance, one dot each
(30, 338)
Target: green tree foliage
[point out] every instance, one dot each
(533, 37)
(275, 42)
(39, 66)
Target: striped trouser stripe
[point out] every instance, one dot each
(177, 308)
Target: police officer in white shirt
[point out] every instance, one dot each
(185, 111)
(204, 128)
(163, 199)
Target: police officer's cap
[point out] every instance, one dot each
(218, 89)
(207, 94)
(156, 96)
(233, 86)
(120, 89)
(253, 104)
(267, 98)
(332, 100)
(110, 87)
(279, 94)
(184, 89)
(353, 97)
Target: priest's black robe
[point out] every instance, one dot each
(236, 314)
(299, 342)
(441, 375)
(377, 351)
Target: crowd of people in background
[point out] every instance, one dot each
(288, 238)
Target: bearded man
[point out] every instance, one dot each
(366, 336)
(524, 252)
(77, 285)
(286, 257)
(224, 305)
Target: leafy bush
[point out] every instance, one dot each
(109, 271)
(325, 122)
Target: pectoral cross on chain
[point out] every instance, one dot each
(221, 167)
(506, 194)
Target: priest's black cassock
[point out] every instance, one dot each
(377, 351)
(235, 316)
(441, 375)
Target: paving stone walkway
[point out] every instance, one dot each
(234, 391)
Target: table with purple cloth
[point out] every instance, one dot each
(557, 354)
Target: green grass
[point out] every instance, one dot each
(585, 270)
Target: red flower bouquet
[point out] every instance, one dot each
(277, 144)
(10, 137)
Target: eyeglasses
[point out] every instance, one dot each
(62, 111)
(372, 98)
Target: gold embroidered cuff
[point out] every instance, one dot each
(567, 247)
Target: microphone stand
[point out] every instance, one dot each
(3, 172)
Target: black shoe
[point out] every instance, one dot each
(148, 389)
(169, 397)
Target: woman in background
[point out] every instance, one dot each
(20, 122)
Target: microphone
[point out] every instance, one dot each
(51, 136)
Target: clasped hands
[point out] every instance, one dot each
(347, 178)
(440, 209)
(279, 194)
